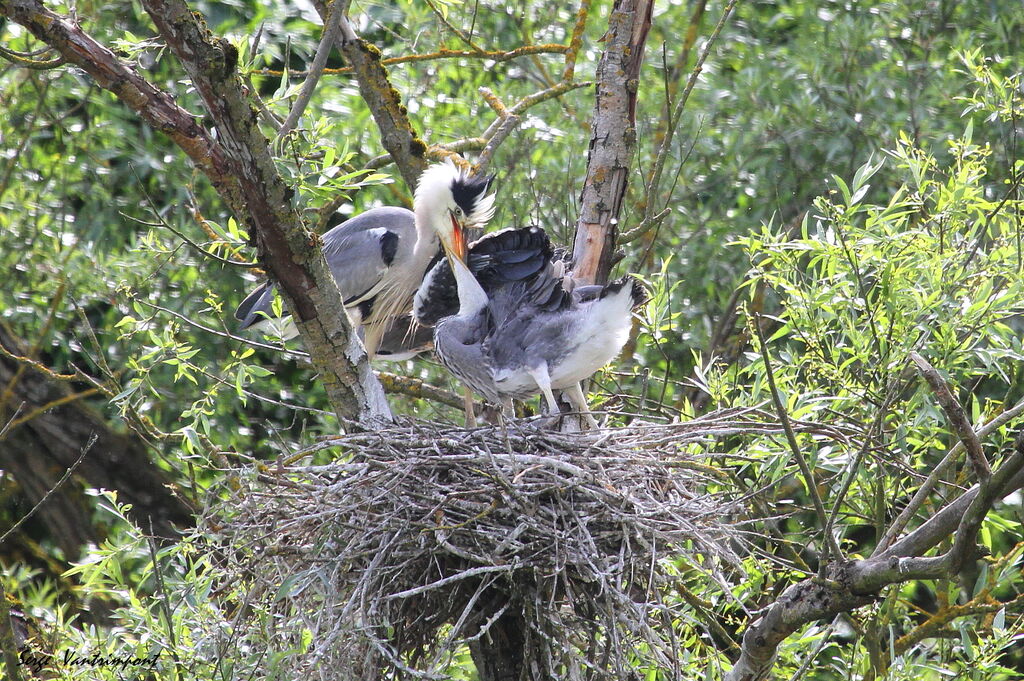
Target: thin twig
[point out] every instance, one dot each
(198, 247)
(830, 546)
(454, 29)
(666, 143)
(53, 490)
(496, 56)
(332, 28)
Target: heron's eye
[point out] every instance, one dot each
(459, 213)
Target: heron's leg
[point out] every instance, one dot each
(467, 405)
(507, 410)
(575, 395)
(543, 381)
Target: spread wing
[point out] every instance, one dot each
(497, 259)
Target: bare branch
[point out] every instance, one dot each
(332, 28)
(957, 417)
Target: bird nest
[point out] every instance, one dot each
(422, 541)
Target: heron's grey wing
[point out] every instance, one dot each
(360, 250)
(260, 300)
(534, 322)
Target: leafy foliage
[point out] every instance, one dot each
(848, 174)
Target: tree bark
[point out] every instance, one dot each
(612, 140)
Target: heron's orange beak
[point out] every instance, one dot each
(458, 239)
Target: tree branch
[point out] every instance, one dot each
(241, 169)
(612, 139)
(488, 55)
(287, 249)
(957, 417)
(332, 28)
(853, 584)
(937, 472)
(396, 132)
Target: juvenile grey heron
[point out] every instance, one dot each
(378, 258)
(496, 259)
(537, 334)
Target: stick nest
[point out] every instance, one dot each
(422, 539)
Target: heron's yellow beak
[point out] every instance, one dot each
(457, 247)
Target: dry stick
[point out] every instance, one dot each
(812, 488)
(495, 55)
(933, 478)
(504, 130)
(332, 27)
(957, 418)
(663, 150)
(53, 490)
(40, 410)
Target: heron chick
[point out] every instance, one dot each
(378, 258)
(531, 335)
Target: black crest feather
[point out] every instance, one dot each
(468, 190)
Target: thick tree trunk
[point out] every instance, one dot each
(612, 140)
(500, 655)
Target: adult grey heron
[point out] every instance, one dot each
(379, 257)
(531, 335)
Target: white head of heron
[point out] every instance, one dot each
(450, 200)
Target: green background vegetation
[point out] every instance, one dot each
(846, 176)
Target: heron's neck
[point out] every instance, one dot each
(472, 298)
(430, 219)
